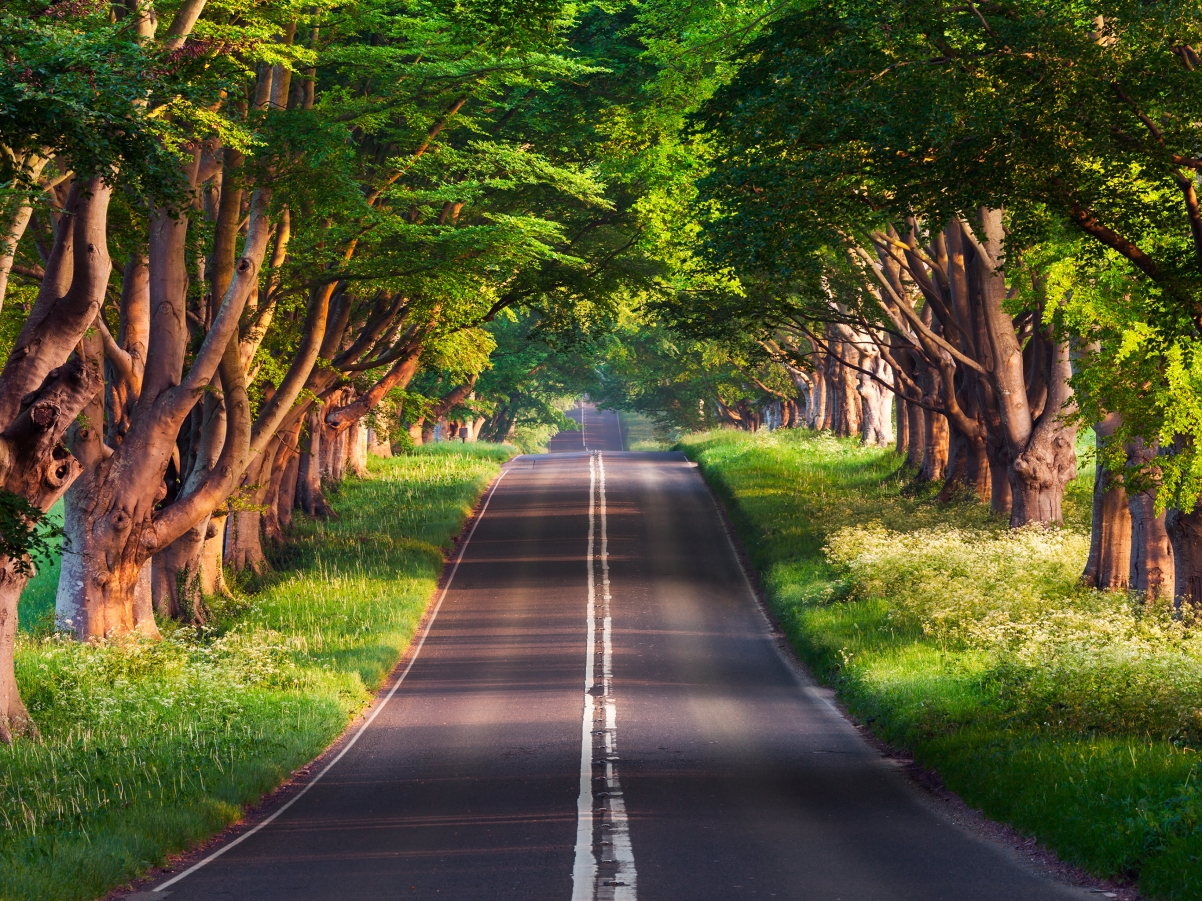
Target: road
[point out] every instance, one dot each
(600, 711)
(601, 431)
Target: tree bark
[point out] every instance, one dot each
(1110, 536)
(178, 569)
(212, 557)
(1039, 442)
(956, 478)
(14, 718)
(849, 418)
(243, 547)
(356, 442)
(876, 401)
(287, 496)
(1152, 568)
(122, 526)
(1048, 461)
(309, 494)
(917, 448)
(816, 409)
(1185, 535)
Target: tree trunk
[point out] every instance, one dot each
(1048, 462)
(356, 442)
(14, 718)
(901, 419)
(310, 497)
(1185, 536)
(178, 581)
(934, 460)
(175, 574)
(1109, 564)
(121, 523)
(876, 401)
(1038, 478)
(144, 622)
(956, 478)
(816, 409)
(287, 495)
(979, 470)
(334, 454)
(243, 548)
(830, 391)
(212, 557)
(849, 415)
(1152, 568)
(917, 448)
(1000, 501)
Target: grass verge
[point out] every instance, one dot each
(1070, 714)
(151, 747)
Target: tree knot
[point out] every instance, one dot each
(44, 414)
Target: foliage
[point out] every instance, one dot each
(1081, 121)
(26, 533)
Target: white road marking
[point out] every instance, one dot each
(371, 717)
(584, 868)
(596, 877)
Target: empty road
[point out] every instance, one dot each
(600, 430)
(599, 711)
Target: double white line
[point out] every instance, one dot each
(604, 866)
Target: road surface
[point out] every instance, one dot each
(602, 431)
(599, 711)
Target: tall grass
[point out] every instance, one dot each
(151, 747)
(1072, 714)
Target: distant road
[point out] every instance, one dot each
(602, 431)
(600, 711)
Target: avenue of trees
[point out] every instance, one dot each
(241, 242)
(984, 216)
(238, 240)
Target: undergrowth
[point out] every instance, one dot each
(1071, 714)
(150, 747)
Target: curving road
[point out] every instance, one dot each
(599, 710)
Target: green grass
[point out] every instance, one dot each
(150, 747)
(1071, 714)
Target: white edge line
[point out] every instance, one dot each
(371, 717)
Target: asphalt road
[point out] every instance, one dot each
(600, 711)
(601, 431)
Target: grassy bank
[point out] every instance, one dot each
(151, 747)
(1072, 715)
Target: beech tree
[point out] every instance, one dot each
(312, 206)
